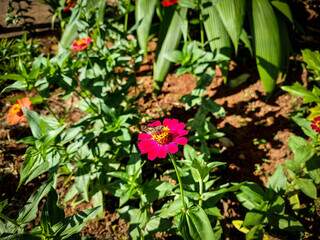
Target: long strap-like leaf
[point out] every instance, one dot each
(144, 12)
(169, 44)
(267, 43)
(232, 15)
(217, 34)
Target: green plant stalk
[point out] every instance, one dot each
(200, 192)
(126, 16)
(179, 180)
(201, 25)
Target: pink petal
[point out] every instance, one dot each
(145, 146)
(171, 123)
(172, 148)
(179, 132)
(155, 124)
(181, 140)
(152, 155)
(162, 151)
(144, 136)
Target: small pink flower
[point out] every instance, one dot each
(159, 139)
(315, 124)
(81, 44)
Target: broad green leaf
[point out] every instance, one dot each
(267, 43)
(294, 201)
(37, 163)
(284, 8)
(238, 224)
(198, 224)
(171, 209)
(307, 187)
(305, 125)
(302, 149)
(169, 44)
(217, 34)
(71, 31)
(289, 223)
(51, 213)
(13, 76)
(232, 15)
(75, 223)
(253, 219)
(278, 181)
(144, 10)
(251, 196)
(35, 123)
(255, 233)
(313, 167)
(21, 86)
(29, 211)
(312, 59)
(299, 91)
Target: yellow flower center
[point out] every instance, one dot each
(163, 136)
(16, 110)
(317, 124)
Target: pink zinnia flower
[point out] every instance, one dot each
(159, 139)
(81, 44)
(315, 124)
(168, 3)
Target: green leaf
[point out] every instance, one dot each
(245, 39)
(36, 163)
(253, 218)
(298, 90)
(289, 223)
(169, 44)
(198, 225)
(22, 86)
(51, 213)
(307, 187)
(255, 233)
(305, 125)
(171, 209)
(217, 34)
(75, 223)
(251, 196)
(278, 181)
(312, 58)
(12, 76)
(29, 211)
(313, 167)
(71, 31)
(267, 43)
(144, 10)
(35, 122)
(302, 149)
(284, 8)
(232, 15)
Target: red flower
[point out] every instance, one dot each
(15, 113)
(315, 124)
(161, 139)
(81, 44)
(70, 4)
(168, 3)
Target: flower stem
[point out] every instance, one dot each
(200, 192)
(179, 180)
